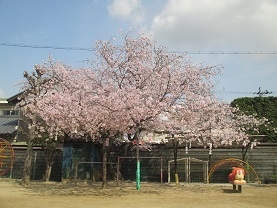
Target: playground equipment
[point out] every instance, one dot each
(190, 165)
(237, 178)
(6, 156)
(233, 162)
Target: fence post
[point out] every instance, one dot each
(11, 171)
(76, 171)
(168, 168)
(161, 171)
(187, 169)
(117, 171)
(206, 172)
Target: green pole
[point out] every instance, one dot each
(138, 164)
(138, 176)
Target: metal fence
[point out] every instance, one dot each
(151, 169)
(189, 170)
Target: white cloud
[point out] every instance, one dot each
(217, 24)
(2, 93)
(123, 8)
(128, 10)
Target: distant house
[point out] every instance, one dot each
(14, 129)
(21, 124)
(8, 121)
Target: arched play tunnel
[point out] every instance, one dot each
(218, 172)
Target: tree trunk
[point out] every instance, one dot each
(175, 151)
(31, 138)
(48, 171)
(245, 152)
(49, 158)
(28, 163)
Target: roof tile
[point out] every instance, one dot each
(8, 124)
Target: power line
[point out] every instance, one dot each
(185, 52)
(233, 92)
(228, 52)
(249, 93)
(46, 47)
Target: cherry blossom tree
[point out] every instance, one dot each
(210, 123)
(250, 125)
(138, 86)
(133, 87)
(36, 85)
(33, 88)
(150, 82)
(77, 106)
(128, 89)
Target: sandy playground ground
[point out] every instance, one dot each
(67, 195)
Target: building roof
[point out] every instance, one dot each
(4, 102)
(8, 124)
(14, 99)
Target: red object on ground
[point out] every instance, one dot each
(237, 176)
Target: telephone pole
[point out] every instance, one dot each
(261, 93)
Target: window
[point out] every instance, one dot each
(9, 112)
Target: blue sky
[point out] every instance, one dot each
(182, 25)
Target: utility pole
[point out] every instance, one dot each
(261, 93)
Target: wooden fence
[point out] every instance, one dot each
(262, 158)
(38, 164)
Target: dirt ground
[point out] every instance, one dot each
(67, 195)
